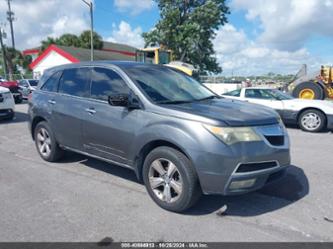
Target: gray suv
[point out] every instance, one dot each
(175, 134)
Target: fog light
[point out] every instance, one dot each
(242, 184)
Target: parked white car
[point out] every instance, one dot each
(7, 104)
(310, 115)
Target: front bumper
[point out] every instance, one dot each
(242, 167)
(6, 114)
(330, 122)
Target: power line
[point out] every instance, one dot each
(10, 18)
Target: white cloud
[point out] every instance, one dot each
(240, 55)
(37, 19)
(288, 24)
(133, 6)
(124, 33)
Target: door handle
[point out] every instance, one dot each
(52, 102)
(90, 110)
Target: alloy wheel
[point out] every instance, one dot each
(44, 142)
(165, 180)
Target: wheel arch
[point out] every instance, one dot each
(147, 148)
(36, 120)
(311, 108)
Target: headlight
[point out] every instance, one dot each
(232, 135)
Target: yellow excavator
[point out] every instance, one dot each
(163, 56)
(315, 86)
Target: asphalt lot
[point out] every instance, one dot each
(82, 199)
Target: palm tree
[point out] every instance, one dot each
(46, 43)
(85, 40)
(69, 40)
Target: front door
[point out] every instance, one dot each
(261, 97)
(108, 130)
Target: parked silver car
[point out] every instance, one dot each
(178, 136)
(27, 86)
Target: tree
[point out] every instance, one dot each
(188, 27)
(71, 40)
(15, 58)
(46, 43)
(85, 40)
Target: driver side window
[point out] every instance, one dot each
(106, 82)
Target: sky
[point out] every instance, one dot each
(261, 36)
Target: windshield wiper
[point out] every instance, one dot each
(175, 102)
(209, 97)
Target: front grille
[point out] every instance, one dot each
(275, 140)
(249, 167)
(4, 111)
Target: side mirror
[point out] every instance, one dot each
(118, 100)
(126, 100)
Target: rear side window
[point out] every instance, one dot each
(75, 82)
(51, 85)
(105, 82)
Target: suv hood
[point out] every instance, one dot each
(3, 90)
(230, 112)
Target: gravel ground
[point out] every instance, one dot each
(82, 199)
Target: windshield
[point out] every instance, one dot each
(277, 94)
(33, 82)
(164, 85)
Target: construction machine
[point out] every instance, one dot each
(314, 86)
(163, 56)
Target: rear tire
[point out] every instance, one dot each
(182, 183)
(312, 120)
(46, 143)
(309, 90)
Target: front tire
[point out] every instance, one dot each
(46, 143)
(312, 120)
(18, 99)
(170, 179)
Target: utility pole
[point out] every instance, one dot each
(90, 5)
(3, 51)
(10, 18)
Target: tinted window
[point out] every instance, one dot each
(51, 85)
(33, 82)
(106, 82)
(75, 82)
(23, 83)
(235, 93)
(257, 94)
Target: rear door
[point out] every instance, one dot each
(68, 106)
(108, 130)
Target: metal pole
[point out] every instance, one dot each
(10, 18)
(3, 55)
(90, 5)
(91, 32)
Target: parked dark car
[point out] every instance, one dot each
(178, 136)
(14, 89)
